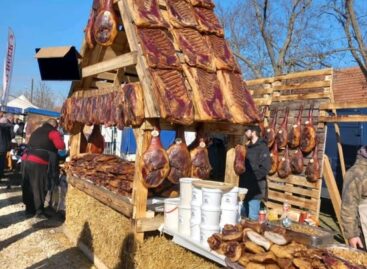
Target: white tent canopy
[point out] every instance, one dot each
(21, 102)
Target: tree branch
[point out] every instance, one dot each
(250, 64)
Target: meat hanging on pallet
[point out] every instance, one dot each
(89, 36)
(146, 13)
(313, 169)
(274, 156)
(297, 162)
(264, 124)
(179, 158)
(284, 166)
(155, 162)
(200, 161)
(132, 104)
(308, 135)
(239, 159)
(270, 131)
(294, 136)
(95, 141)
(207, 22)
(202, 3)
(181, 14)
(105, 25)
(281, 137)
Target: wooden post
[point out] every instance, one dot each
(75, 144)
(333, 190)
(230, 175)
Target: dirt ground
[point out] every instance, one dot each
(26, 243)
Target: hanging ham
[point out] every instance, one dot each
(200, 161)
(313, 169)
(89, 37)
(294, 136)
(308, 135)
(270, 131)
(297, 162)
(274, 156)
(264, 124)
(105, 25)
(284, 167)
(281, 137)
(179, 158)
(155, 162)
(239, 159)
(95, 141)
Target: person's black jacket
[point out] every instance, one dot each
(258, 164)
(6, 134)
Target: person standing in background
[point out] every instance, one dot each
(43, 146)
(258, 164)
(6, 134)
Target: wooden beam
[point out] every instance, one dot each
(302, 86)
(344, 118)
(294, 97)
(124, 60)
(101, 84)
(106, 76)
(344, 105)
(261, 91)
(149, 224)
(115, 201)
(262, 101)
(333, 190)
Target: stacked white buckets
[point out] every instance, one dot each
(184, 209)
(229, 207)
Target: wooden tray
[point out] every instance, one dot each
(213, 185)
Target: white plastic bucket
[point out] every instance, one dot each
(197, 194)
(184, 216)
(206, 232)
(195, 232)
(211, 198)
(230, 198)
(229, 216)
(171, 213)
(186, 190)
(195, 215)
(210, 216)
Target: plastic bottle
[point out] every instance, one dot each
(286, 222)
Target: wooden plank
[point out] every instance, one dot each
(293, 189)
(150, 105)
(230, 175)
(279, 208)
(75, 144)
(296, 180)
(101, 84)
(292, 200)
(261, 91)
(262, 101)
(149, 224)
(302, 86)
(304, 96)
(124, 60)
(333, 190)
(344, 118)
(117, 202)
(344, 105)
(106, 76)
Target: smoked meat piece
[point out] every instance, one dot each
(179, 160)
(195, 49)
(239, 159)
(172, 96)
(297, 162)
(181, 14)
(237, 98)
(146, 13)
(95, 141)
(155, 163)
(132, 104)
(270, 131)
(89, 36)
(105, 25)
(200, 161)
(313, 169)
(274, 156)
(208, 22)
(281, 137)
(294, 136)
(223, 57)
(308, 135)
(284, 167)
(207, 94)
(203, 3)
(158, 49)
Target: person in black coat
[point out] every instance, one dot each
(6, 135)
(258, 164)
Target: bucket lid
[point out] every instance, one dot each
(211, 209)
(234, 189)
(172, 201)
(211, 190)
(210, 228)
(229, 208)
(188, 179)
(184, 207)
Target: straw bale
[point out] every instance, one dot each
(108, 235)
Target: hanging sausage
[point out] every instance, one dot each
(294, 136)
(281, 137)
(313, 169)
(105, 25)
(239, 159)
(270, 131)
(308, 135)
(297, 162)
(155, 162)
(284, 167)
(274, 156)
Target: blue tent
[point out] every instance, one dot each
(44, 112)
(128, 143)
(12, 110)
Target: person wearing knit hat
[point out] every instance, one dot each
(354, 202)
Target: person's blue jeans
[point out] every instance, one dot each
(250, 209)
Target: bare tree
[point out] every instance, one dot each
(353, 18)
(276, 37)
(42, 96)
